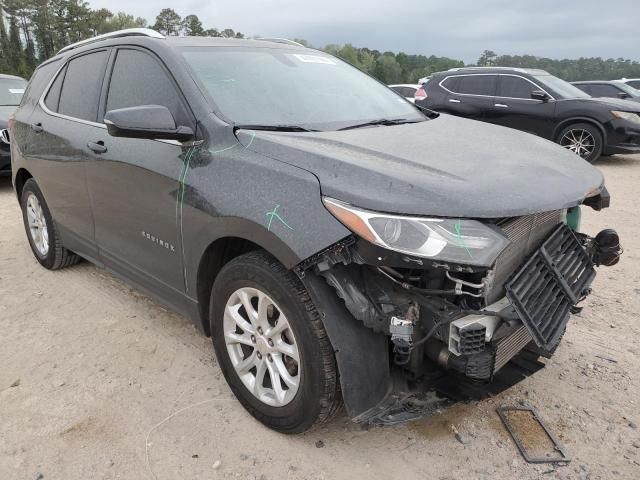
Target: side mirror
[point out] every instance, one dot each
(623, 95)
(145, 121)
(540, 95)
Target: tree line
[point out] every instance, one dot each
(594, 68)
(33, 30)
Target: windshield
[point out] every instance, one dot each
(260, 86)
(11, 91)
(560, 87)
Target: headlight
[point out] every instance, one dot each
(468, 242)
(632, 117)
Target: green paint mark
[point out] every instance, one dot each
(253, 135)
(215, 152)
(274, 214)
(182, 177)
(461, 243)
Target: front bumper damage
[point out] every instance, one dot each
(413, 335)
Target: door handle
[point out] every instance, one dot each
(501, 105)
(97, 147)
(453, 100)
(37, 127)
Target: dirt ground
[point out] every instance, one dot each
(99, 382)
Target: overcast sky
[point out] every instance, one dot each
(455, 28)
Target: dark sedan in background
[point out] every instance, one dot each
(609, 89)
(539, 103)
(11, 90)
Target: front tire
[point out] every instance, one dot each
(42, 233)
(271, 344)
(583, 139)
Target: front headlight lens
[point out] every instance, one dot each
(468, 242)
(630, 116)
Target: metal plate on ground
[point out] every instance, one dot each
(536, 442)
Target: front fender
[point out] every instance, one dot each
(240, 193)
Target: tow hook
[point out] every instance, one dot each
(607, 248)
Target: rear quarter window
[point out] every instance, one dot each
(39, 81)
(53, 95)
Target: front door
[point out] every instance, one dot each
(134, 183)
(513, 107)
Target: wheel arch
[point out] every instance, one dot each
(21, 177)
(572, 120)
(217, 252)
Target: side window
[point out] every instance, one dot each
(38, 83)
(53, 96)
(634, 83)
(79, 97)
(603, 90)
(515, 87)
(586, 88)
(451, 83)
(139, 79)
(477, 85)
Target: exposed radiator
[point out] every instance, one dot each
(526, 235)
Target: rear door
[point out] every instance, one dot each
(57, 146)
(470, 96)
(134, 183)
(513, 107)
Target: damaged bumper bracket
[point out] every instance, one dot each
(553, 280)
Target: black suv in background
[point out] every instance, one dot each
(609, 89)
(340, 245)
(539, 103)
(11, 90)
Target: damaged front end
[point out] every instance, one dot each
(468, 321)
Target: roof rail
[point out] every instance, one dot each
(280, 40)
(128, 32)
(515, 69)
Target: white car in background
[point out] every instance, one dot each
(409, 91)
(632, 82)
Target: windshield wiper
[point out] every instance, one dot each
(381, 121)
(277, 128)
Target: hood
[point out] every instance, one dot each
(448, 167)
(5, 113)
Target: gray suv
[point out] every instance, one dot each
(337, 243)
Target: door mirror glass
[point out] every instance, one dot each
(146, 121)
(539, 95)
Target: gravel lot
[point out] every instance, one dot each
(99, 382)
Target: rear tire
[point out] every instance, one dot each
(283, 393)
(583, 139)
(41, 230)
